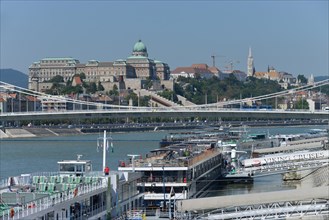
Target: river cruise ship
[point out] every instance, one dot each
(175, 172)
(74, 192)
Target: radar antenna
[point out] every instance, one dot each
(79, 156)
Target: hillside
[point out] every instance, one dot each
(14, 77)
(320, 78)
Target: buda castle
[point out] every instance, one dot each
(129, 73)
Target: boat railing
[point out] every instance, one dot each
(161, 179)
(24, 179)
(35, 206)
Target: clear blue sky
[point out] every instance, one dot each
(292, 36)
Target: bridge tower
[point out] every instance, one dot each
(34, 83)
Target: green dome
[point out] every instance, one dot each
(139, 47)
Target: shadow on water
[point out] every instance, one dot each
(261, 184)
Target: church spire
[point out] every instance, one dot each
(249, 52)
(250, 66)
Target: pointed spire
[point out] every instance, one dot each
(250, 66)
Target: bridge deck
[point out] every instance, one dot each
(253, 199)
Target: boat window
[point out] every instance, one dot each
(79, 168)
(67, 167)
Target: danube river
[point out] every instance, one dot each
(18, 156)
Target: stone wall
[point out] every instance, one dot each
(133, 83)
(168, 84)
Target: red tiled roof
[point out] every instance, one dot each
(200, 66)
(13, 95)
(214, 69)
(77, 80)
(31, 98)
(260, 74)
(190, 70)
(301, 93)
(273, 74)
(184, 69)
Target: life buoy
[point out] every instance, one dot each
(12, 212)
(31, 205)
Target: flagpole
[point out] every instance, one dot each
(104, 150)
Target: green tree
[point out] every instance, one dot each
(148, 83)
(100, 87)
(144, 101)
(92, 88)
(229, 88)
(57, 79)
(57, 88)
(168, 94)
(114, 91)
(302, 79)
(301, 104)
(82, 76)
(132, 96)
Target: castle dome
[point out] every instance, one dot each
(139, 47)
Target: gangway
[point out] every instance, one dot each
(272, 211)
(285, 167)
(306, 201)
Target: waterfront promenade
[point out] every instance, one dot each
(67, 129)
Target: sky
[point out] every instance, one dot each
(291, 36)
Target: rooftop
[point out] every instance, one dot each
(58, 58)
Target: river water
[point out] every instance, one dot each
(41, 154)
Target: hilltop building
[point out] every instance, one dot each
(129, 73)
(195, 70)
(283, 78)
(204, 71)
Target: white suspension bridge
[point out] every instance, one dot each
(86, 109)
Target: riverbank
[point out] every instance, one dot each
(45, 131)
